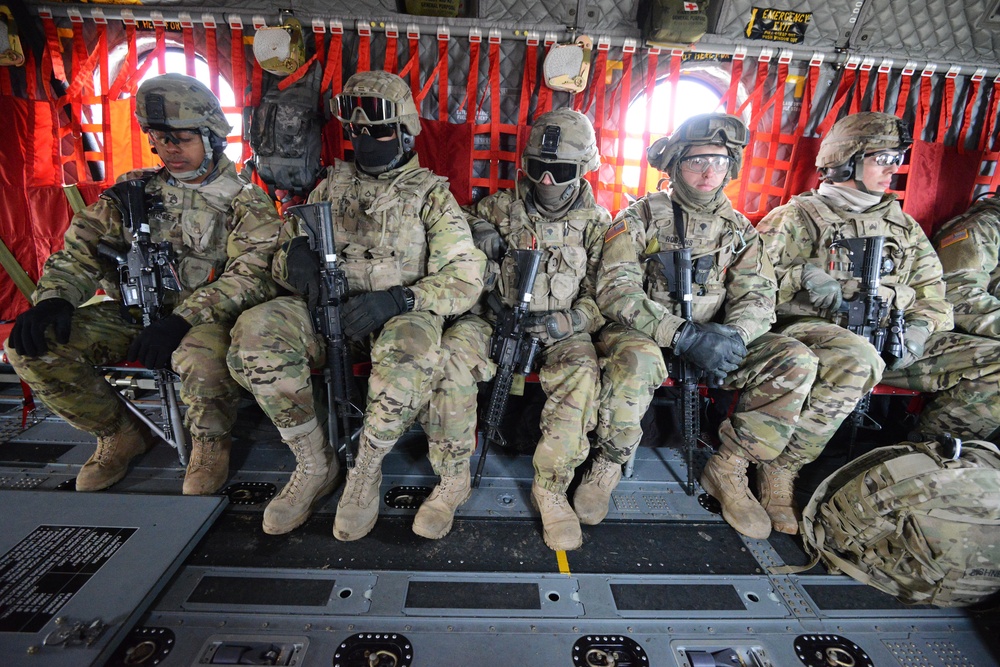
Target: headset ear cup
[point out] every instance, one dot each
(840, 174)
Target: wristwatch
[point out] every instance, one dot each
(409, 298)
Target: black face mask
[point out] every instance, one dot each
(374, 156)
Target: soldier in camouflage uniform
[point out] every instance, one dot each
(728, 340)
(968, 247)
(857, 160)
(405, 247)
(552, 209)
(223, 230)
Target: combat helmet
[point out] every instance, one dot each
(172, 102)
(562, 143)
(854, 136)
(377, 98)
(710, 129)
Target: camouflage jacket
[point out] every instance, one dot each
(738, 288)
(572, 245)
(801, 231)
(968, 247)
(224, 234)
(402, 227)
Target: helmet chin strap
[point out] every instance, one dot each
(206, 164)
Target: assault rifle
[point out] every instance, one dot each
(866, 311)
(145, 272)
(512, 349)
(678, 270)
(317, 220)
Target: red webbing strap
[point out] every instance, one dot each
(527, 84)
(754, 99)
(947, 101)
(472, 87)
(774, 139)
(494, 78)
(440, 74)
(83, 68)
(805, 110)
(847, 79)
(674, 78)
(413, 64)
(600, 89)
(881, 85)
(903, 96)
(652, 60)
(122, 82)
(333, 76)
(238, 59)
(728, 100)
(102, 44)
(46, 67)
(297, 75)
(212, 56)
(990, 119)
(187, 36)
(365, 51)
(971, 95)
(864, 76)
(923, 105)
(625, 86)
(544, 103)
(390, 63)
(54, 45)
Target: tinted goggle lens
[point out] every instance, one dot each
(885, 159)
(359, 107)
(374, 131)
(561, 172)
(729, 128)
(699, 164)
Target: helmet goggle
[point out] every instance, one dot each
(559, 172)
(374, 131)
(711, 128)
(700, 164)
(887, 158)
(366, 109)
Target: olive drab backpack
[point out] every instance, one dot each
(285, 133)
(914, 520)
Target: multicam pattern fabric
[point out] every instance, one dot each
(187, 104)
(968, 247)
(860, 133)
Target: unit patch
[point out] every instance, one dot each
(960, 235)
(616, 229)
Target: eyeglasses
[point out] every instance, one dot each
(887, 158)
(367, 108)
(373, 131)
(711, 127)
(559, 172)
(176, 137)
(699, 164)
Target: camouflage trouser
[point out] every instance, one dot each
(849, 367)
(774, 381)
(274, 348)
(65, 379)
(568, 376)
(964, 373)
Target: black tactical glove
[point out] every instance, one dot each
(554, 326)
(488, 239)
(28, 335)
(714, 348)
(302, 269)
(824, 290)
(914, 341)
(365, 313)
(154, 344)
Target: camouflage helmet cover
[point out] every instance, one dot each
(861, 133)
(386, 86)
(709, 129)
(179, 102)
(574, 142)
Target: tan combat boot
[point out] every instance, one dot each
(593, 497)
(357, 510)
(109, 463)
(725, 479)
(315, 473)
(437, 512)
(776, 488)
(208, 467)
(560, 525)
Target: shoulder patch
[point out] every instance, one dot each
(961, 235)
(618, 228)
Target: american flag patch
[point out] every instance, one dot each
(616, 229)
(954, 238)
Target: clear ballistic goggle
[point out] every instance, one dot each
(699, 164)
(559, 172)
(711, 128)
(176, 137)
(367, 114)
(886, 158)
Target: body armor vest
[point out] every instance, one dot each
(564, 262)
(378, 231)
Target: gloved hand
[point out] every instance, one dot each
(154, 344)
(488, 239)
(28, 334)
(554, 326)
(914, 341)
(824, 290)
(302, 269)
(714, 348)
(365, 313)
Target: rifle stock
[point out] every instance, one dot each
(317, 220)
(512, 349)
